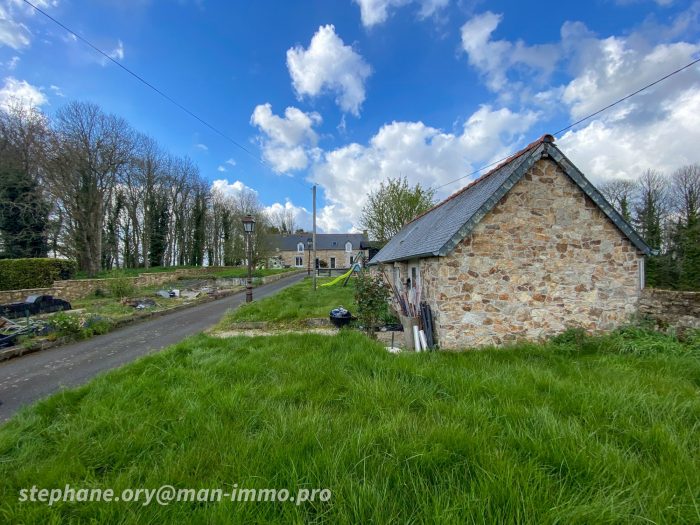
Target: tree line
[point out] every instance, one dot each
(665, 211)
(86, 185)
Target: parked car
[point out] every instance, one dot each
(34, 305)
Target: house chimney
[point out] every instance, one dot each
(548, 138)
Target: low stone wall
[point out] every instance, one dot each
(77, 288)
(670, 308)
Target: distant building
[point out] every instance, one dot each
(333, 250)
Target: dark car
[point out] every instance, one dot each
(34, 305)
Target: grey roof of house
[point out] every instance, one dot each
(324, 241)
(437, 231)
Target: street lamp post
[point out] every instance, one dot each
(309, 245)
(249, 228)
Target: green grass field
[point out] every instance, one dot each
(294, 304)
(583, 430)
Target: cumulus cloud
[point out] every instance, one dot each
(419, 152)
(287, 142)
(496, 59)
(374, 12)
(231, 162)
(328, 65)
(231, 189)
(20, 92)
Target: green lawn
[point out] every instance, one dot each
(243, 272)
(294, 304)
(591, 431)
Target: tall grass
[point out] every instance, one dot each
(576, 431)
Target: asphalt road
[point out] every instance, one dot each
(26, 379)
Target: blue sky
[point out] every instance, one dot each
(347, 93)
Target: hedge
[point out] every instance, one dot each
(17, 274)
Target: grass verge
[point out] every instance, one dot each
(294, 304)
(582, 430)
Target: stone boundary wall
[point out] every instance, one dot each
(670, 308)
(77, 288)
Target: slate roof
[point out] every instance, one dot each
(324, 241)
(437, 231)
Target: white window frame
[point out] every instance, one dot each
(300, 247)
(348, 247)
(415, 279)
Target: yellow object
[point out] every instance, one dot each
(338, 279)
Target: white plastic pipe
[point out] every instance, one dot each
(423, 341)
(416, 339)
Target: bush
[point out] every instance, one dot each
(121, 287)
(65, 324)
(371, 296)
(17, 274)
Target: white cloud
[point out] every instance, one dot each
(221, 169)
(421, 153)
(373, 12)
(201, 147)
(495, 59)
(20, 92)
(56, 90)
(288, 141)
(231, 189)
(118, 52)
(326, 219)
(328, 65)
(230, 162)
(13, 33)
(610, 147)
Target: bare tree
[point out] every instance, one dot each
(621, 193)
(89, 150)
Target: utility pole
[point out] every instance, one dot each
(314, 235)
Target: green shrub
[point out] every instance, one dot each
(65, 324)
(371, 296)
(121, 287)
(17, 274)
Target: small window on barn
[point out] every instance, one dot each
(335, 243)
(298, 261)
(348, 246)
(414, 277)
(300, 247)
(333, 261)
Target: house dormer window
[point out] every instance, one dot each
(300, 247)
(348, 246)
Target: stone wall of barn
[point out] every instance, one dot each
(544, 259)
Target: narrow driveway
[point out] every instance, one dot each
(26, 379)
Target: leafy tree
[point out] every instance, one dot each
(394, 204)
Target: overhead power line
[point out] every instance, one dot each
(584, 119)
(153, 87)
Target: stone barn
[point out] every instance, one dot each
(524, 252)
